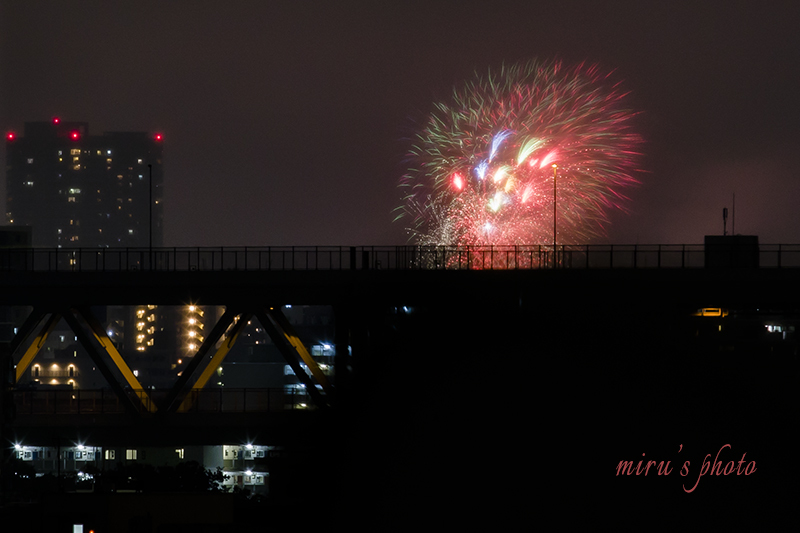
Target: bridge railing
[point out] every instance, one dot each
(102, 402)
(285, 258)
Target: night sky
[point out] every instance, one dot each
(286, 123)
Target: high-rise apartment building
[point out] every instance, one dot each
(66, 188)
(78, 190)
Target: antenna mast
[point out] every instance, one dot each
(724, 221)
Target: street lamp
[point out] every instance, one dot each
(150, 215)
(555, 203)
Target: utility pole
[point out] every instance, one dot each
(555, 215)
(150, 216)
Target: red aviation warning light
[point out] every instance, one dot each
(158, 137)
(10, 136)
(75, 135)
(56, 121)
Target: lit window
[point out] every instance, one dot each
(74, 191)
(179, 451)
(29, 184)
(111, 455)
(136, 373)
(76, 167)
(130, 232)
(74, 151)
(139, 161)
(30, 160)
(130, 455)
(71, 199)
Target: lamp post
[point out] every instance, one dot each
(555, 203)
(150, 216)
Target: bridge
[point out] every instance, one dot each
(446, 345)
(360, 284)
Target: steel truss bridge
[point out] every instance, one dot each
(335, 258)
(359, 283)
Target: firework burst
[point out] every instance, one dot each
(487, 160)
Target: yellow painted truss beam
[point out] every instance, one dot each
(36, 345)
(289, 353)
(298, 345)
(216, 360)
(100, 335)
